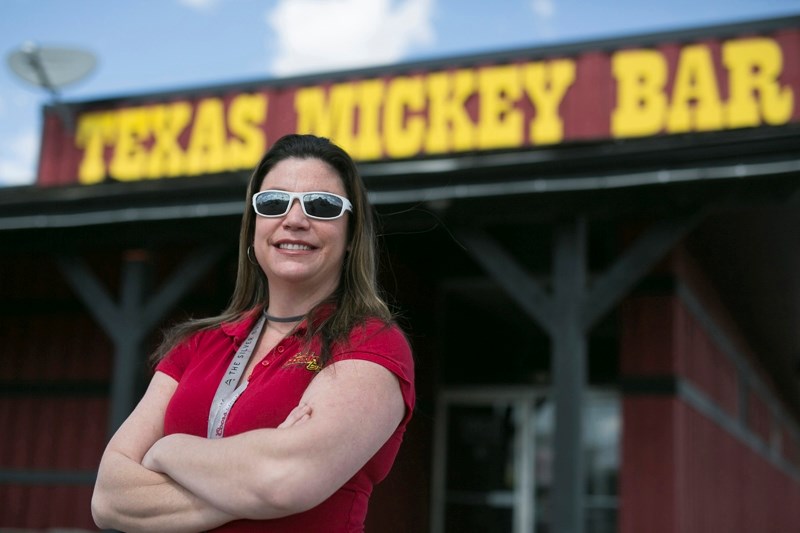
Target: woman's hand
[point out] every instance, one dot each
(299, 414)
(149, 460)
(132, 496)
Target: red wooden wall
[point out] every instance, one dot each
(684, 467)
(54, 368)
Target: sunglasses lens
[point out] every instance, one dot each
(272, 203)
(322, 205)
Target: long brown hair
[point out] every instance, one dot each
(357, 297)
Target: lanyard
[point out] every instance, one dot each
(229, 388)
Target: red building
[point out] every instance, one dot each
(595, 247)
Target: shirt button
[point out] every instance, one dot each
(280, 349)
(265, 363)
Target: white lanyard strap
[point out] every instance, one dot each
(229, 388)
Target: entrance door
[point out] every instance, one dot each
(493, 457)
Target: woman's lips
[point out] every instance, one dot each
(294, 246)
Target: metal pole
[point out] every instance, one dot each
(525, 465)
(34, 59)
(569, 376)
(129, 340)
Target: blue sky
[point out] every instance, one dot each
(153, 45)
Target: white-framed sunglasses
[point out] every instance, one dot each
(315, 204)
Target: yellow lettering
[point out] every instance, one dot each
(369, 114)
(403, 132)
(206, 151)
(641, 102)
(500, 122)
(94, 132)
(130, 155)
(754, 66)
(333, 119)
(146, 140)
(449, 124)
(546, 85)
(166, 157)
(246, 116)
(343, 108)
(696, 105)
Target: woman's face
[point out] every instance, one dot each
(294, 251)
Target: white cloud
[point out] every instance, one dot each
(543, 8)
(200, 5)
(322, 35)
(544, 13)
(18, 160)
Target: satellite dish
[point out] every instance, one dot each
(51, 68)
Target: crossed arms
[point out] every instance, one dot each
(183, 483)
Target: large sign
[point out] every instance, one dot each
(702, 86)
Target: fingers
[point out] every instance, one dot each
(299, 414)
(149, 459)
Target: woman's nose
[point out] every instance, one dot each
(295, 215)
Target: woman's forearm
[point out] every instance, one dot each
(352, 406)
(234, 474)
(236, 477)
(128, 497)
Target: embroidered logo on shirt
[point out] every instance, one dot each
(307, 359)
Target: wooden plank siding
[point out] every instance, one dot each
(692, 461)
(54, 368)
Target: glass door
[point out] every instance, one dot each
(493, 458)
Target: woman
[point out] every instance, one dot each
(281, 413)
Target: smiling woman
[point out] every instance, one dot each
(300, 254)
(227, 435)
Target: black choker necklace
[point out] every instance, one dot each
(283, 319)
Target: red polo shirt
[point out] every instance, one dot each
(275, 388)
